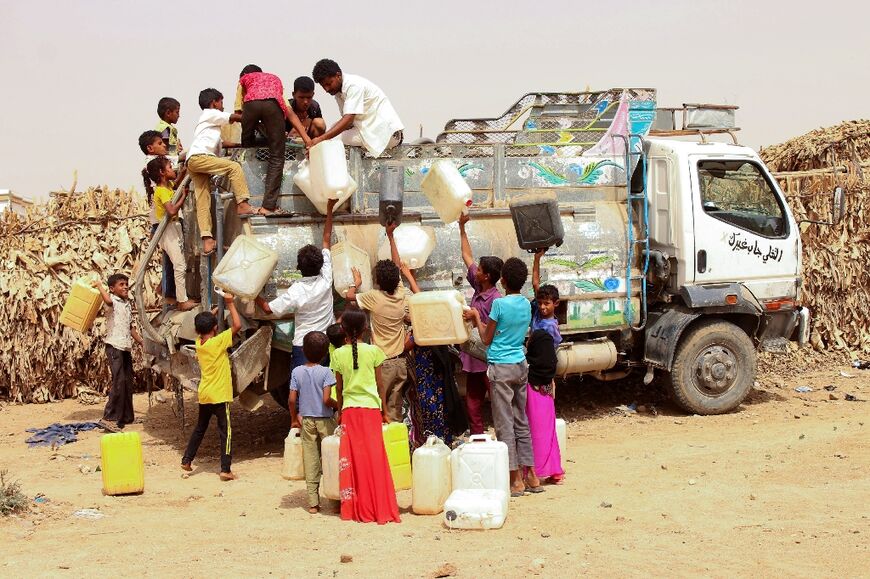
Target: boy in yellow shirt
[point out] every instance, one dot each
(215, 385)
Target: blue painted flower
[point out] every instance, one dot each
(530, 124)
(611, 284)
(547, 149)
(424, 170)
(600, 107)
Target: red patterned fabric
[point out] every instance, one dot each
(365, 483)
(259, 86)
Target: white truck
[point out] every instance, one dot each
(680, 257)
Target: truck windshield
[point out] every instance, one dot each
(738, 193)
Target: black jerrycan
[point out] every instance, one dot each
(392, 192)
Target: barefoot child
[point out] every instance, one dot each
(120, 335)
(203, 161)
(508, 373)
(388, 306)
(310, 298)
(159, 171)
(365, 482)
(310, 386)
(215, 386)
(541, 356)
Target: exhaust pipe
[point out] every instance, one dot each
(584, 357)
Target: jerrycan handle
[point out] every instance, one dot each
(480, 438)
(294, 433)
(433, 441)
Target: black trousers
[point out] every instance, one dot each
(222, 413)
(119, 407)
(267, 116)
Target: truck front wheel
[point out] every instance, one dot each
(714, 368)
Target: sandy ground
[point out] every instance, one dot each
(780, 487)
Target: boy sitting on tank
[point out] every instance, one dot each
(307, 110)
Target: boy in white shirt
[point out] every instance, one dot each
(310, 298)
(203, 162)
(368, 118)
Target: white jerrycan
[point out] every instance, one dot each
(436, 317)
(293, 468)
(476, 509)
(562, 436)
(329, 486)
(430, 477)
(481, 463)
(446, 190)
(414, 242)
(318, 197)
(346, 255)
(245, 268)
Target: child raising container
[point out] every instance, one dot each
(120, 335)
(388, 304)
(310, 298)
(366, 484)
(508, 372)
(310, 386)
(215, 390)
(159, 171)
(482, 277)
(540, 398)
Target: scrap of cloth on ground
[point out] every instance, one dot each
(58, 434)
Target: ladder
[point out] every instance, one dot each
(643, 223)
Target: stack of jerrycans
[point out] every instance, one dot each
(481, 485)
(121, 463)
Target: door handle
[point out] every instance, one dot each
(702, 261)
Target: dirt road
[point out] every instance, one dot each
(780, 487)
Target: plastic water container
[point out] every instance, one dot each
(318, 198)
(346, 255)
(436, 317)
(245, 268)
(430, 477)
(121, 463)
(414, 242)
(537, 221)
(329, 486)
(392, 192)
(82, 305)
(293, 468)
(562, 435)
(476, 509)
(398, 454)
(480, 463)
(446, 190)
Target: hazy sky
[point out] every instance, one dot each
(82, 79)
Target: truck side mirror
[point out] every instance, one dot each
(838, 205)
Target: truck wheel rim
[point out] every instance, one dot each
(715, 371)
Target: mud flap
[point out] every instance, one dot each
(663, 335)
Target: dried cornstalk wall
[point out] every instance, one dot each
(103, 231)
(835, 258)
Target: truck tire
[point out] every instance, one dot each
(714, 368)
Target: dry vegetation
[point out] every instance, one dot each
(102, 231)
(835, 258)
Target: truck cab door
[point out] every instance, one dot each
(743, 230)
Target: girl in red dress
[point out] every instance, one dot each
(366, 485)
